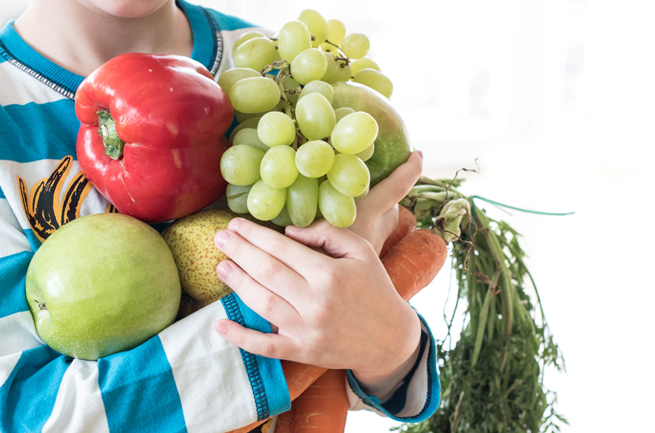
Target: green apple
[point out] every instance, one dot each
(102, 284)
(392, 145)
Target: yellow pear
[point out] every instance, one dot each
(191, 240)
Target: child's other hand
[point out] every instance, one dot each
(377, 213)
(338, 310)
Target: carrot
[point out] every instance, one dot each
(414, 261)
(323, 407)
(406, 223)
(412, 264)
(286, 421)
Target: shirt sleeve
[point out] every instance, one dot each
(187, 378)
(416, 396)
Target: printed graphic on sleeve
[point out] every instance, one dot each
(43, 208)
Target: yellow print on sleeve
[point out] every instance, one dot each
(43, 208)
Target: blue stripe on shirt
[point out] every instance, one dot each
(228, 22)
(139, 391)
(28, 396)
(13, 269)
(266, 377)
(32, 132)
(35, 243)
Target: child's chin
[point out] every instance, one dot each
(126, 8)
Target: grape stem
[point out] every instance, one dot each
(346, 61)
(278, 64)
(334, 45)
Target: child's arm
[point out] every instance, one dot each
(185, 378)
(338, 311)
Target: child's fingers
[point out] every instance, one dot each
(395, 187)
(258, 343)
(261, 300)
(336, 242)
(266, 270)
(289, 252)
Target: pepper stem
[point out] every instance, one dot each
(113, 143)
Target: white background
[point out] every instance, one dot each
(556, 99)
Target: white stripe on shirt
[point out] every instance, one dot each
(198, 360)
(13, 238)
(18, 333)
(79, 403)
(7, 364)
(19, 88)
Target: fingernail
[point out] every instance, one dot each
(221, 329)
(221, 238)
(223, 269)
(419, 153)
(234, 224)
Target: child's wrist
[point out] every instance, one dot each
(399, 358)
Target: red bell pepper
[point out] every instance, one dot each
(152, 135)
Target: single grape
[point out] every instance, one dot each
(363, 63)
(366, 154)
(282, 219)
(249, 136)
(277, 50)
(292, 89)
(264, 202)
(316, 25)
(293, 39)
(302, 201)
(329, 48)
(314, 158)
(354, 133)
(349, 175)
(355, 45)
(336, 31)
(343, 112)
(248, 123)
(331, 70)
(376, 80)
(255, 54)
(231, 76)
(343, 71)
(254, 95)
(276, 129)
(315, 116)
(242, 117)
(278, 167)
(309, 65)
(240, 164)
(237, 198)
(321, 87)
(246, 37)
(338, 209)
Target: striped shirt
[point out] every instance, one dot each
(186, 378)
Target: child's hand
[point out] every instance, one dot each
(377, 213)
(336, 311)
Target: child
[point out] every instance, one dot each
(332, 310)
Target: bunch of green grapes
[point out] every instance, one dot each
(294, 157)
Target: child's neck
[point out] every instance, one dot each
(81, 39)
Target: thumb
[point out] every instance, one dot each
(395, 187)
(334, 241)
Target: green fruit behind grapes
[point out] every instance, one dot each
(392, 146)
